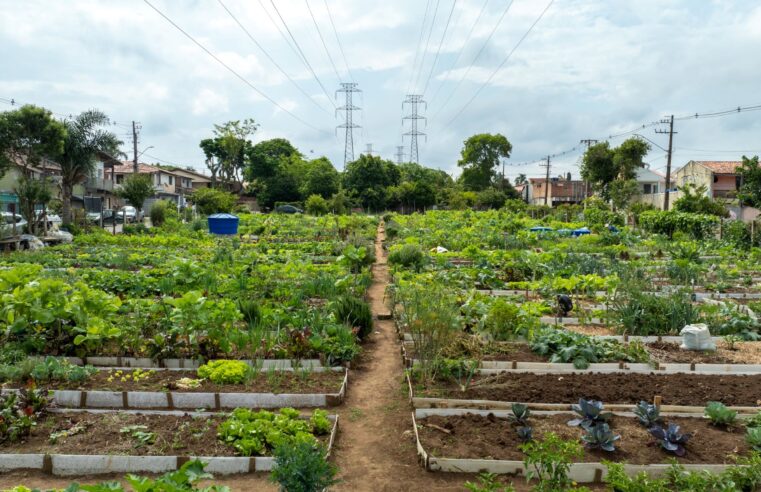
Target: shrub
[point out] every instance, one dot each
(316, 205)
(302, 467)
(506, 320)
(355, 313)
(161, 211)
(211, 201)
(408, 256)
(225, 371)
(699, 226)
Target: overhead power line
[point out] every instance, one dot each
(231, 70)
(427, 43)
(507, 58)
(322, 40)
(15, 102)
(441, 42)
(419, 45)
(737, 110)
(475, 59)
(306, 61)
(462, 48)
(269, 57)
(338, 39)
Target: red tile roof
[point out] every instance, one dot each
(721, 167)
(128, 167)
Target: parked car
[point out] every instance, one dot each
(94, 217)
(7, 220)
(130, 214)
(288, 209)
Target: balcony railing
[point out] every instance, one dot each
(99, 184)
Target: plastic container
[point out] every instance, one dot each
(223, 224)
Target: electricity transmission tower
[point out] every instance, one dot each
(348, 89)
(415, 101)
(400, 154)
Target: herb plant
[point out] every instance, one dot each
(549, 461)
(302, 467)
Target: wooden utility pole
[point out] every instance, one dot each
(547, 181)
(134, 148)
(670, 121)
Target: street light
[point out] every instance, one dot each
(145, 150)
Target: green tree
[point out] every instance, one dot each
(628, 157)
(316, 205)
(84, 140)
(521, 179)
(479, 157)
(491, 198)
(211, 201)
(368, 178)
(601, 165)
(321, 178)
(750, 175)
(264, 157)
(340, 203)
(27, 135)
(623, 192)
(136, 189)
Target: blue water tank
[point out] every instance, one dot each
(224, 224)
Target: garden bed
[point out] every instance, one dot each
(108, 443)
(467, 442)
(162, 391)
(675, 389)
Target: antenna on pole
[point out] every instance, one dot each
(415, 101)
(348, 89)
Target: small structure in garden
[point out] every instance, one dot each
(697, 337)
(223, 224)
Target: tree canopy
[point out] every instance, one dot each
(601, 164)
(750, 174)
(479, 158)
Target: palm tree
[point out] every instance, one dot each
(84, 141)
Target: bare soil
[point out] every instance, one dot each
(101, 435)
(487, 437)
(162, 380)
(676, 389)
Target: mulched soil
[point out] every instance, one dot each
(488, 437)
(676, 389)
(161, 380)
(174, 435)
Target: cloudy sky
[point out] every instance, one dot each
(588, 69)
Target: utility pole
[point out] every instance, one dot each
(547, 181)
(348, 89)
(400, 154)
(671, 132)
(414, 100)
(588, 142)
(135, 130)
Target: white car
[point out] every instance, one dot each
(129, 213)
(7, 219)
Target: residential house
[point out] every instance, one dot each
(649, 181)
(719, 177)
(166, 184)
(9, 181)
(560, 191)
(191, 180)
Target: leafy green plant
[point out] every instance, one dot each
(408, 256)
(590, 414)
(620, 481)
(140, 434)
(647, 414)
(257, 433)
(581, 350)
(226, 371)
(719, 414)
(488, 482)
(549, 461)
(49, 369)
(670, 438)
(600, 437)
(525, 433)
(302, 467)
(519, 414)
(19, 413)
(753, 437)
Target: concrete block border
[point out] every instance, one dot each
(579, 472)
(191, 364)
(171, 400)
(74, 464)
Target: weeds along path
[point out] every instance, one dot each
(375, 448)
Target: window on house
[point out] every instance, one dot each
(171, 179)
(647, 188)
(119, 179)
(715, 178)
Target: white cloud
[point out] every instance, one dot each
(209, 102)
